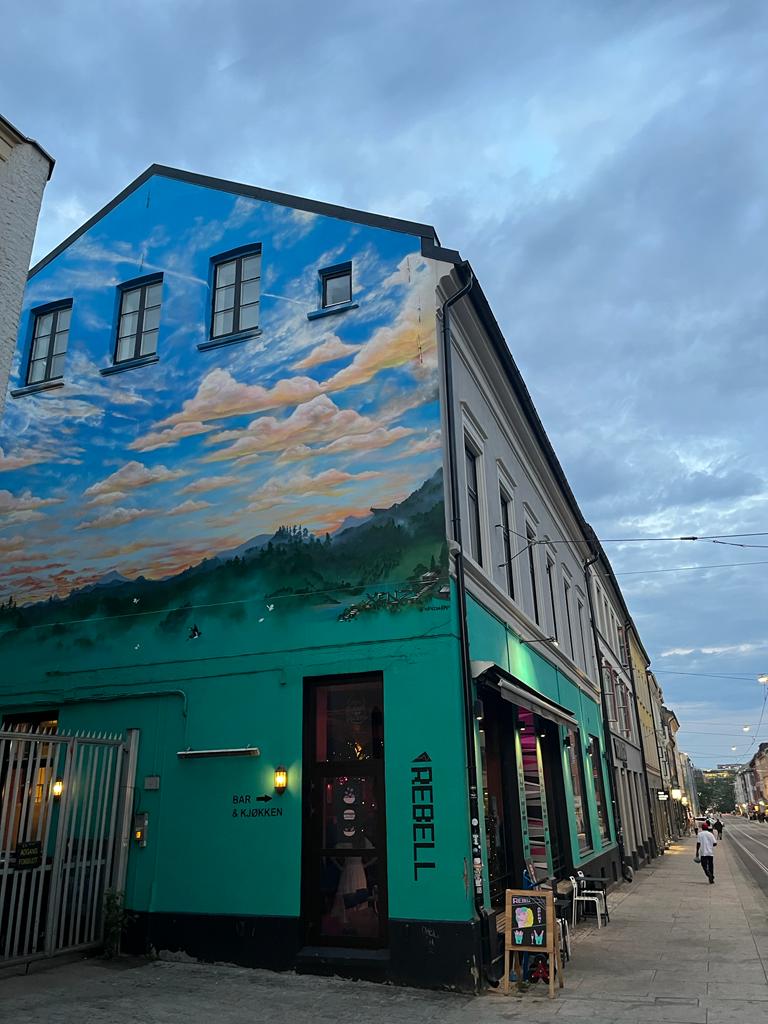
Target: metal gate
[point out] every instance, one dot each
(65, 806)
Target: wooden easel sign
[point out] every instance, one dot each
(529, 927)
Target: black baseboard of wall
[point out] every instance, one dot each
(424, 954)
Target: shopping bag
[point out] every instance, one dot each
(697, 859)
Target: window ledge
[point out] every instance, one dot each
(128, 364)
(43, 385)
(342, 307)
(229, 339)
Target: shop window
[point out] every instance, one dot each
(599, 780)
(580, 808)
(349, 722)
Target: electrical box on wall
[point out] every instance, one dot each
(140, 822)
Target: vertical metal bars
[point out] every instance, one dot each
(59, 850)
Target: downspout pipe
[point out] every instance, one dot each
(606, 719)
(456, 549)
(629, 629)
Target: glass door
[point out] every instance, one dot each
(344, 881)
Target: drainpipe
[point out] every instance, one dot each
(627, 630)
(606, 720)
(466, 668)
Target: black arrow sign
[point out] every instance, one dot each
(263, 799)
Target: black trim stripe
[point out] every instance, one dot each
(375, 220)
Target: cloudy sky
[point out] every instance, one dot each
(602, 165)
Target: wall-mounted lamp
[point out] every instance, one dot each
(684, 801)
(57, 788)
(281, 780)
(676, 794)
(522, 728)
(479, 711)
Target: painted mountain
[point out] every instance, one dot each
(388, 561)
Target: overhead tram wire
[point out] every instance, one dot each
(684, 568)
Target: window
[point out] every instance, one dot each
(581, 633)
(236, 290)
(336, 285)
(597, 776)
(567, 603)
(473, 500)
(623, 646)
(506, 530)
(551, 587)
(139, 319)
(610, 682)
(530, 537)
(580, 810)
(50, 337)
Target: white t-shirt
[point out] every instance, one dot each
(707, 843)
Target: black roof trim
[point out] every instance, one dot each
(374, 220)
(433, 251)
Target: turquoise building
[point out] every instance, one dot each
(234, 425)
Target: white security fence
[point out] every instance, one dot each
(65, 816)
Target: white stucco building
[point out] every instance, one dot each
(25, 167)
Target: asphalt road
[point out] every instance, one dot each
(749, 841)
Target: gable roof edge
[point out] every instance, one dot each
(376, 220)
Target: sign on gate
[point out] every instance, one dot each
(29, 855)
(63, 837)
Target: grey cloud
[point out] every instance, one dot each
(603, 165)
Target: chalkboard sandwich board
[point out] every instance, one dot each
(529, 927)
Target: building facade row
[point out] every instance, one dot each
(283, 509)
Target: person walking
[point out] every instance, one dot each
(718, 827)
(705, 849)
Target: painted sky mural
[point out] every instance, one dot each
(309, 455)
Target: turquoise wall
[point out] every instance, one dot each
(199, 857)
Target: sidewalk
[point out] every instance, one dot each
(677, 950)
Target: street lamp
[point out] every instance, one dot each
(763, 678)
(676, 794)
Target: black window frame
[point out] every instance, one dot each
(142, 285)
(330, 274)
(37, 314)
(471, 455)
(236, 256)
(505, 501)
